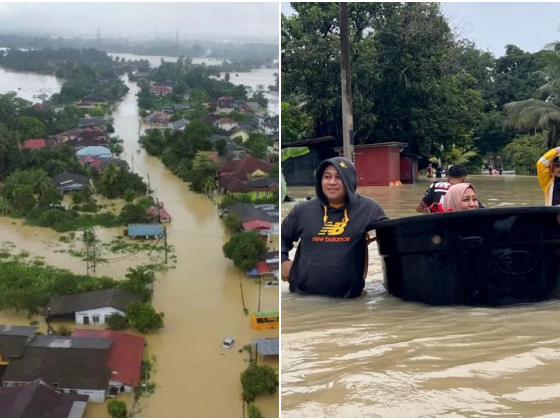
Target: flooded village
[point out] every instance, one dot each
(139, 235)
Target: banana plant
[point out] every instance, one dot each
(286, 154)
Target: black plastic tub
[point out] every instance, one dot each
(483, 257)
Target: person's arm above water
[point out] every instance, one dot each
(543, 166)
(290, 234)
(426, 201)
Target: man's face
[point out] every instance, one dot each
(556, 169)
(333, 188)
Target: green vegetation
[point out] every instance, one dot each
(143, 317)
(417, 83)
(254, 412)
(258, 380)
(117, 409)
(233, 223)
(116, 322)
(245, 249)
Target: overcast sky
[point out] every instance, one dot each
(492, 26)
(141, 20)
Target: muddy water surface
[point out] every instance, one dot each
(201, 297)
(378, 356)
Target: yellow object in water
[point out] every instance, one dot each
(269, 320)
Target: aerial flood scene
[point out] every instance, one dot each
(139, 219)
(420, 233)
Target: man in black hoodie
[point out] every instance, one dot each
(332, 228)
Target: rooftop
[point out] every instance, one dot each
(105, 298)
(267, 346)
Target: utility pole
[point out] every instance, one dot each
(260, 287)
(346, 84)
(91, 260)
(164, 240)
(132, 167)
(149, 190)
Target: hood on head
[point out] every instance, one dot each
(347, 172)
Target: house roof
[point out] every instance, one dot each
(95, 121)
(67, 177)
(263, 182)
(161, 89)
(215, 137)
(106, 161)
(13, 339)
(94, 151)
(38, 400)
(245, 166)
(256, 225)
(144, 230)
(225, 121)
(270, 255)
(154, 211)
(69, 367)
(180, 123)
(106, 298)
(267, 346)
(34, 144)
(232, 184)
(262, 267)
(125, 354)
(248, 212)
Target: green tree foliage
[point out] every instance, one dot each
(233, 223)
(116, 322)
(254, 412)
(29, 287)
(220, 146)
(405, 87)
(117, 409)
(134, 213)
(296, 124)
(143, 317)
(204, 169)
(524, 152)
(257, 143)
(31, 128)
(260, 99)
(245, 249)
(258, 380)
(116, 181)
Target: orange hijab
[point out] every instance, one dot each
(452, 199)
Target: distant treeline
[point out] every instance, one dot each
(231, 51)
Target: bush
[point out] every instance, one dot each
(254, 412)
(233, 223)
(133, 213)
(77, 198)
(258, 380)
(229, 199)
(129, 195)
(245, 249)
(90, 207)
(51, 217)
(116, 322)
(143, 317)
(117, 409)
(64, 331)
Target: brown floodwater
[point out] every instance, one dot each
(201, 297)
(378, 356)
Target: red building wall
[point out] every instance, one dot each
(377, 166)
(409, 169)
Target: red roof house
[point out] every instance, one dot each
(33, 144)
(257, 225)
(162, 214)
(243, 167)
(125, 354)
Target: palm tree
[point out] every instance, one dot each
(542, 111)
(87, 193)
(209, 187)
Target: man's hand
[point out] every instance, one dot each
(285, 270)
(370, 239)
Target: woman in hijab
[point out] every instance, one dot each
(460, 197)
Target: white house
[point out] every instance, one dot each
(226, 124)
(269, 128)
(91, 308)
(240, 133)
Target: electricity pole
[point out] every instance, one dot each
(346, 84)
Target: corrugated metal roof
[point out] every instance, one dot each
(144, 230)
(267, 346)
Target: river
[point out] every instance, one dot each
(200, 297)
(378, 356)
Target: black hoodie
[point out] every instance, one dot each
(331, 255)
